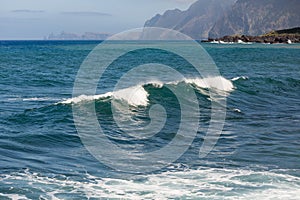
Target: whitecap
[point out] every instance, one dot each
(82, 98)
(135, 96)
(37, 99)
(240, 78)
(138, 96)
(218, 82)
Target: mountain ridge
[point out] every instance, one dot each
(256, 17)
(218, 18)
(196, 21)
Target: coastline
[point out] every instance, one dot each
(287, 36)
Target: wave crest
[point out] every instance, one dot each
(240, 78)
(138, 96)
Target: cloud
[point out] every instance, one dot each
(86, 14)
(27, 11)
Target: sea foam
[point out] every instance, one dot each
(219, 83)
(240, 78)
(206, 183)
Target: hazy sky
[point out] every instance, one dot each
(33, 19)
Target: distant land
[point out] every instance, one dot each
(218, 18)
(286, 36)
(73, 36)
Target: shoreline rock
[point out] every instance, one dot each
(287, 36)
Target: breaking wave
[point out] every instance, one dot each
(138, 95)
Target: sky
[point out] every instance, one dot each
(34, 19)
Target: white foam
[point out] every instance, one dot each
(242, 42)
(205, 183)
(218, 82)
(14, 196)
(37, 99)
(223, 42)
(156, 84)
(82, 98)
(135, 96)
(32, 99)
(215, 42)
(237, 110)
(138, 96)
(240, 77)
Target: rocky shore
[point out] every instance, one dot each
(287, 36)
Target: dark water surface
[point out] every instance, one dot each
(42, 156)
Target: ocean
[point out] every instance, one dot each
(43, 155)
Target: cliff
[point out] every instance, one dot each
(255, 17)
(197, 21)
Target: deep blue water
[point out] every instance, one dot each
(42, 155)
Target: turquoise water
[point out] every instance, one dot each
(42, 155)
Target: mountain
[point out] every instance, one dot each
(197, 21)
(256, 17)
